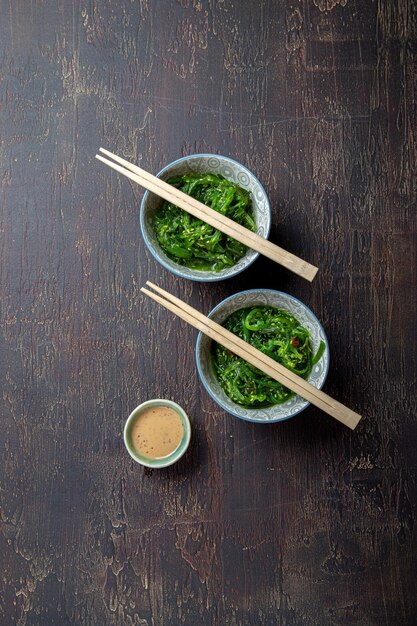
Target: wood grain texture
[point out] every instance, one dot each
(297, 524)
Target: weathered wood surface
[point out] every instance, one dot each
(302, 523)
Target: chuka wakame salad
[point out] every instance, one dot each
(274, 332)
(191, 242)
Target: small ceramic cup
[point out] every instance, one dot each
(171, 458)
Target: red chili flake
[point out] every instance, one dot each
(295, 342)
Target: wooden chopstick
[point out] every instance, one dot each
(255, 357)
(205, 213)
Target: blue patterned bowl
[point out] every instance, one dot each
(255, 297)
(214, 164)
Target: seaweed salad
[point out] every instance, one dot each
(274, 332)
(191, 242)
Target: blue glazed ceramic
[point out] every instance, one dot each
(215, 164)
(255, 297)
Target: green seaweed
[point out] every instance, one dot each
(192, 242)
(276, 333)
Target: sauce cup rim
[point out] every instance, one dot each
(177, 453)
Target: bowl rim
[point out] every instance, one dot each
(205, 277)
(217, 400)
(177, 453)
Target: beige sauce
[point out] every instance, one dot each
(157, 432)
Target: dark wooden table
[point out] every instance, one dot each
(303, 523)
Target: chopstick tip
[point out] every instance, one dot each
(357, 418)
(310, 272)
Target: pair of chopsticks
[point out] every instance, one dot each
(253, 356)
(212, 217)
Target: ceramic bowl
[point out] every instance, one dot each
(255, 297)
(214, 164)
(174, 456)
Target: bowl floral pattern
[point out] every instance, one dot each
(255, 297)
(215, 164)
